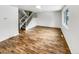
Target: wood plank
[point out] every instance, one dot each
(38, 40)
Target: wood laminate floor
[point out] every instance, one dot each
(38, 40)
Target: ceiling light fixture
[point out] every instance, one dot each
(39, 7)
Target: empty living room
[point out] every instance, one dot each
(39, 29)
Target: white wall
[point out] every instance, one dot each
(32, 24)
(72, 33)
(50, 19)
(8, 22)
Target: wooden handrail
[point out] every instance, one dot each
(27, 21)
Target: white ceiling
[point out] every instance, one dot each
(42, 7)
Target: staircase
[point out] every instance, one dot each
(24, 19)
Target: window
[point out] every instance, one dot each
(65, 20)
(66, 17)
